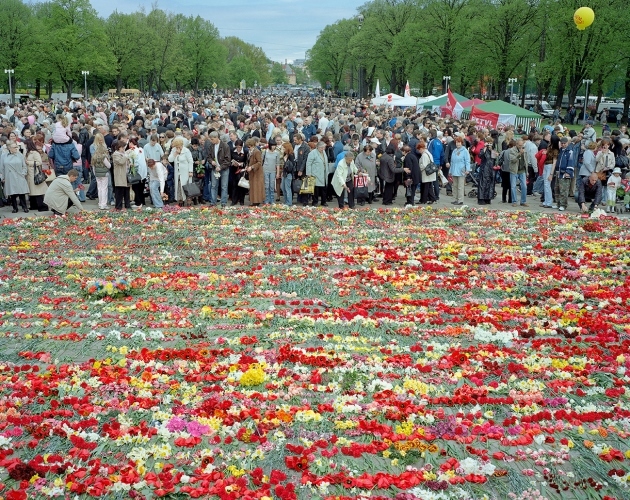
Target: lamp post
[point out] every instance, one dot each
(85, 75)
(446, 80)
(586, 97)
(360, 19)
(10, 72)
(512, 81)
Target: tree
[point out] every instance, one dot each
(258, 60)
(328, 57)
(201, 49)
(14, 24)
(123, 33)
(278, 74)
(161, 45)
(241, 68)
(76, 40)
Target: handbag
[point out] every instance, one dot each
(361, 192)
(243, 182)
(191, 190)
(38, 176)
(601, 175)
(133, 178)
(622, 161)
(296, 185)
(308, 185)
(431, 168)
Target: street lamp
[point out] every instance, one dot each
(360, 19)
(446, 80)
(512, 81)
(85, 75)
(10, 72)
(586, 97)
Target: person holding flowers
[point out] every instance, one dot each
(343, 180)
(34, 164)
(137, 164)
(121, 168)
(255, 172)
(183, 167)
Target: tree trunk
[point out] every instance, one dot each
(119, 84)
(626, 101)
(562, 83)
(69, 84)
(38, 85)
(49, 87)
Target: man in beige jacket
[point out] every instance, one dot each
(60, 195)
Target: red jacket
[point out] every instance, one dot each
(541, 157)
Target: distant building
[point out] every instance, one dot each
(291, 78)
(299, 63)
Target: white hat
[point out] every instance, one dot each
(616, 170)
(374, 140)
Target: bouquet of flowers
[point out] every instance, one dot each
(132, 154)
(100, 288)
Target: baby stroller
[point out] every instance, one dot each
(473, 178)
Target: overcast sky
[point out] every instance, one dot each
(284, 29)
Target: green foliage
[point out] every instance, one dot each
(52, 42)
(278, 74)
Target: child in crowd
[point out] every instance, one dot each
(62, 133)
(157, 182)
(614, 181)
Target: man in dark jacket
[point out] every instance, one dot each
(301, 150)
(411, 167)
(589, 189)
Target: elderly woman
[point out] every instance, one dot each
(182, 161)
(121, 169)
(317, 166)
(427, 195)
(255, 172)
(343, 180)
(13, 172)
(34, 164)
(366, 162)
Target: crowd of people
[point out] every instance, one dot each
(297, 150)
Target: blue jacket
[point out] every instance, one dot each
(436, 148)
(460, 164)
(64, 155)
(566, 162)
(309, 132)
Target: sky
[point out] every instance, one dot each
(284, 29)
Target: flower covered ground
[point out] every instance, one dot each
(420, 354)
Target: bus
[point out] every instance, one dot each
(133, 93)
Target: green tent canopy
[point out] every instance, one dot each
(523, 116)
(442, 101)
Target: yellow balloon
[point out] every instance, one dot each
(583, 17)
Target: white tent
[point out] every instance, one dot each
(403, 102)
(377, 101)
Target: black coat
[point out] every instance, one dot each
(485, 191)
(388, 170)
(411, 162)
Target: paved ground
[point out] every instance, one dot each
(445, 201)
